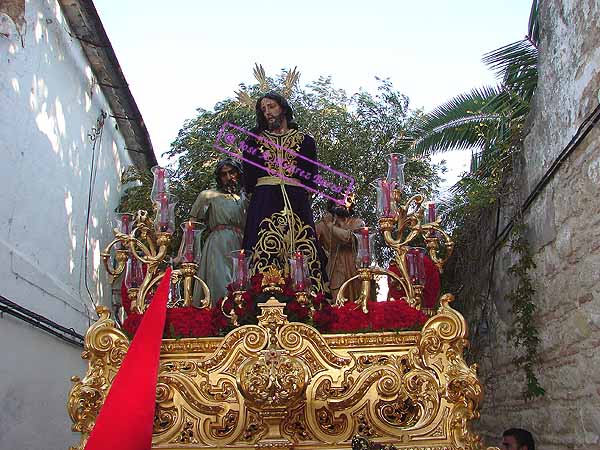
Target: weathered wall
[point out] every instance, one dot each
(49, 103)
(564, 232)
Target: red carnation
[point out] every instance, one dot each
(256, 284)
(131, 323)
(296, 312)
(324, 318)
(288, 291)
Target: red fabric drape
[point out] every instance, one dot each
(125, 420)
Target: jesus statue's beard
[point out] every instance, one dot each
(275, 123)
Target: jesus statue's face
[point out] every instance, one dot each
(273, 113)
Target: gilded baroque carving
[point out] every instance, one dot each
(277, 385)
(104, 347)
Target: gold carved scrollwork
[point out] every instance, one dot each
(278, 385)
(255, 427)
(330, 424)
(402, 412)
(295, 427)
(105, 347)
(293, 335)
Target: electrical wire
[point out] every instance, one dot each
(66, 334)
(95, 137)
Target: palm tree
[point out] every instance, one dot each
(489, 119)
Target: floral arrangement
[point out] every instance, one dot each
(248, 311)
(190, 321)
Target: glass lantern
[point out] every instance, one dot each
(134, 273)
(240, 260)
(365, 247)
(190, 249)
(386, 206)
(299, 272)
(160, 184)
(415, 265)
(165, 213)
(123, 223)
(395, 175)
(429, 214)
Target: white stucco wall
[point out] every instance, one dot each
(34, 384)
(49, 102)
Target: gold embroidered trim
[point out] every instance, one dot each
(274, 246)
(276, 157)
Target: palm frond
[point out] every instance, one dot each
(516, 65)
(459, 134)
(463, 105)
(456, 124)
(533, 30)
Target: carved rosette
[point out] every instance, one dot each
(283, 385)
(273, 380)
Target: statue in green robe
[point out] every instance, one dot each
(223, 210)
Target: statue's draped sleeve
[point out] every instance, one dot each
(200, 207)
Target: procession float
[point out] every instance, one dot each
(275, 364)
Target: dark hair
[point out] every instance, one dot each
(261, 121)
(227, 162)
(340, 210)
(523, 437)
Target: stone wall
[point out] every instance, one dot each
(564, 232)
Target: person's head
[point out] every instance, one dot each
(228, 175)
(517, 439)
(273, 112)
(346, 210)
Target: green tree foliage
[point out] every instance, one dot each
(353, 134)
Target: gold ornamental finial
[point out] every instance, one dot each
(291, 80)
(272, 280)
(261, 77)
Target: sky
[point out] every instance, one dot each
(181, 55)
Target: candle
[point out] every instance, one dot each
(416, 266)
(385, 189)
(366, 255)
(125, 224)
(431, 212)
(188, 236)
(393, 168)
(123, 221)
(242, 272)
(410, 260)
(299, 272)
(160, 180)
(164, 213)
(134, 275)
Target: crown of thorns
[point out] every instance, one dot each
(291, 80)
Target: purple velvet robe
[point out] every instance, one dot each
(270, 234)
